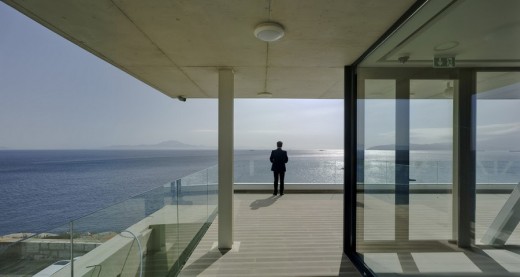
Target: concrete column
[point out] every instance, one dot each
(225, 158)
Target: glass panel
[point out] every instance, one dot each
(377, 215)
(119, 234)
(193, 210)
(428, 68)
(163, 223)
(212, 192)
(498, 160)
(37, 253)
(405, 168)
(323, 166)
(431, 156)
(253, 170)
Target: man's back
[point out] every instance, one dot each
(278, 158)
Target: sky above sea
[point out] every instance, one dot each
(55, 95)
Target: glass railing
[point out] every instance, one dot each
(488, 173)
(426, 172)
(300, 170)
(155, 231)
(303, 170)
(416, 201)
(148, 234)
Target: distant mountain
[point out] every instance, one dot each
(433, 146)
(170, 144)
(3, 148)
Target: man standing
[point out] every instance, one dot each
(278, 159)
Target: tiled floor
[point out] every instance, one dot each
(290, 235)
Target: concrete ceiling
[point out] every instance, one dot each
(177, 46)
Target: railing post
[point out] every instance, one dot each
(71, 227)
(178, 190)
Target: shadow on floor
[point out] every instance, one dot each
(262, 203)
(481, 263)
(347, 268)
(204, 262)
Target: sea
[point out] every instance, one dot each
(44, 189)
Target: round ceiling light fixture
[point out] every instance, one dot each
(269, 31)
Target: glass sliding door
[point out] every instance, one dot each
(438, 132)
(498, 162)
(377, 217)
(431, 159)
(405, 158)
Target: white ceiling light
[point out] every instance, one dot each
(269, 31)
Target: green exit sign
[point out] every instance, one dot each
(444, 62)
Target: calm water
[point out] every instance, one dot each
(40, 190)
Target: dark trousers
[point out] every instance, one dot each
(280, 176)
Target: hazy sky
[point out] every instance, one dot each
(54, 94)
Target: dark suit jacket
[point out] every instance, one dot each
(278, 158)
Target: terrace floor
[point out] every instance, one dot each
(417, 241)
(301, 235)
(290, 235)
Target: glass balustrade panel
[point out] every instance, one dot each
(47, 252)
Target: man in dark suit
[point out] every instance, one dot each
(278, 159)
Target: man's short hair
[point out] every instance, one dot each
(279, 144)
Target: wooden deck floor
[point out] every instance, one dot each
(290, 235)
(301, 235)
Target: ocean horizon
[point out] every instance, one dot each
(44, 189)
